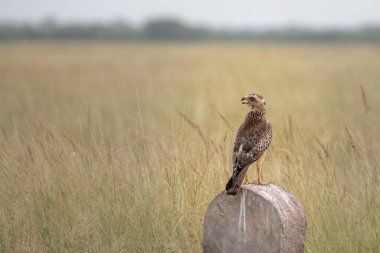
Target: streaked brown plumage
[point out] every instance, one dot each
(252, 140)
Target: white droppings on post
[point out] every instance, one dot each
(274, 200)
(267, 216)
(242, 223)
(267, 196)
(286, 198)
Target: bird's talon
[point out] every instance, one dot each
(261, 182)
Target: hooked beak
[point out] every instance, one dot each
(244, 100)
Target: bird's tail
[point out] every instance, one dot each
(231, 182)
(236, 180)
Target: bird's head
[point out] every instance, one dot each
(254, 101)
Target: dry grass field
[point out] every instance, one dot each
(121, 147)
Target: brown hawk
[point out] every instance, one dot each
(252, 140)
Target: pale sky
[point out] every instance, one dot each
(214, 13)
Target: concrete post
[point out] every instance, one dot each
(260, 218)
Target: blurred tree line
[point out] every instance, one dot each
(175, 30)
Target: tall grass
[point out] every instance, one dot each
(120, 148)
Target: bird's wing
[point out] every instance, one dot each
(248, 149)
(249, 146)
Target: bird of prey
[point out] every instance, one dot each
(252, 140)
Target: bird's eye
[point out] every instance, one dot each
(252, 98)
